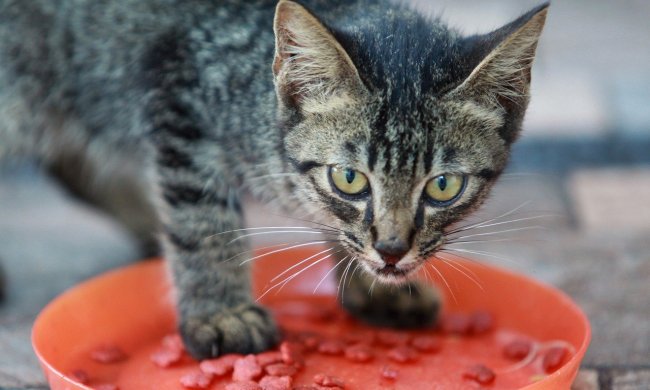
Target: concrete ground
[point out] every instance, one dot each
(584, 158)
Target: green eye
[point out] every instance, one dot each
(348, 180)
(445, 188)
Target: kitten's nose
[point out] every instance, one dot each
(391, 250)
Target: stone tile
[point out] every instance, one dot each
(586, 380)
(611, 199)
(631, 380)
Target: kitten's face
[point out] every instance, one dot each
(392, 145)
(393, 189)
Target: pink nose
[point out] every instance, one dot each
(392, 250)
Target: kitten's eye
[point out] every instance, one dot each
(445, 188)
(348, 180)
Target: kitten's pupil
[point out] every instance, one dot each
(442, 183)
(349, 175)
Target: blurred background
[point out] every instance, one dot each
(581, 168)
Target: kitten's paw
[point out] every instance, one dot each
(244, 329)
(412, 305)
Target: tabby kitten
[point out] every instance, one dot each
(386, 125)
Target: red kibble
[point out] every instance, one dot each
(246, 369)
(280, 369)
(480, 322)
(553, 358)
(328, 381)
(270, 357)
(480, 374)
(196, 380)
(427, 343)
(247, 385)
(365, 337)
(165, 357)
(331, 347)
(392, 338)
(517, 349)
(292, 353)
(106, 386)
(456, 323)
(80, 376)
(108, 354)
(403, 354)
(276, 383)
(388, 372)
(173, 342)
(221, 365)
(359, 353)
(310, 343)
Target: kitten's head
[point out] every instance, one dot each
(399, 128)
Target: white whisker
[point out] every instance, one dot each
(501, 231)
(444, 280)
(301, 262)
(329, 272)
(274, 232)
(475, 252)
(450, 263)
(267, 228)
(510, 221)
(342, 281)
(290, 278)
(282, 250)
(479, 224)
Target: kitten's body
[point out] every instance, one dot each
(178, 97)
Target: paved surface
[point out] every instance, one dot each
(584, 158)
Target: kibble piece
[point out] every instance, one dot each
(403, 354)
(328, 381)
(389, 372)
(426, 343)
(276, 383)
(480, 374)
(246, 369)
(270, 357)
(164, 357)
(196, 380)
(108, 354)
(280, 369)
(221, 365)
(480, 322)
(247, 385)
(80, 376)
(292, 353)
(553, 359)
(106, 386)
(517, 349)
(359, 353)
(331, 347)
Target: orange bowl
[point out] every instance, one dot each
(133, 308)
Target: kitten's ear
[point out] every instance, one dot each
(312, 70)
(502, 76)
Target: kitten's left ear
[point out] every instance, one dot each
(312, 70)
(502, 76)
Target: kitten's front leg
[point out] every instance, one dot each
(408, 305)
(202, 239)
(216, 312)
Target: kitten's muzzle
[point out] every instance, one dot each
(392, 250)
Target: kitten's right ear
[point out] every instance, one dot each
(312, 71)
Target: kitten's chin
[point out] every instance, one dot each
(392, 275)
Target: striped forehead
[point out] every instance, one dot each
(397, 141)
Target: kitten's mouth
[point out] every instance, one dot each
(391, 271)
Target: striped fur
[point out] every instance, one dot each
(204, 100)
